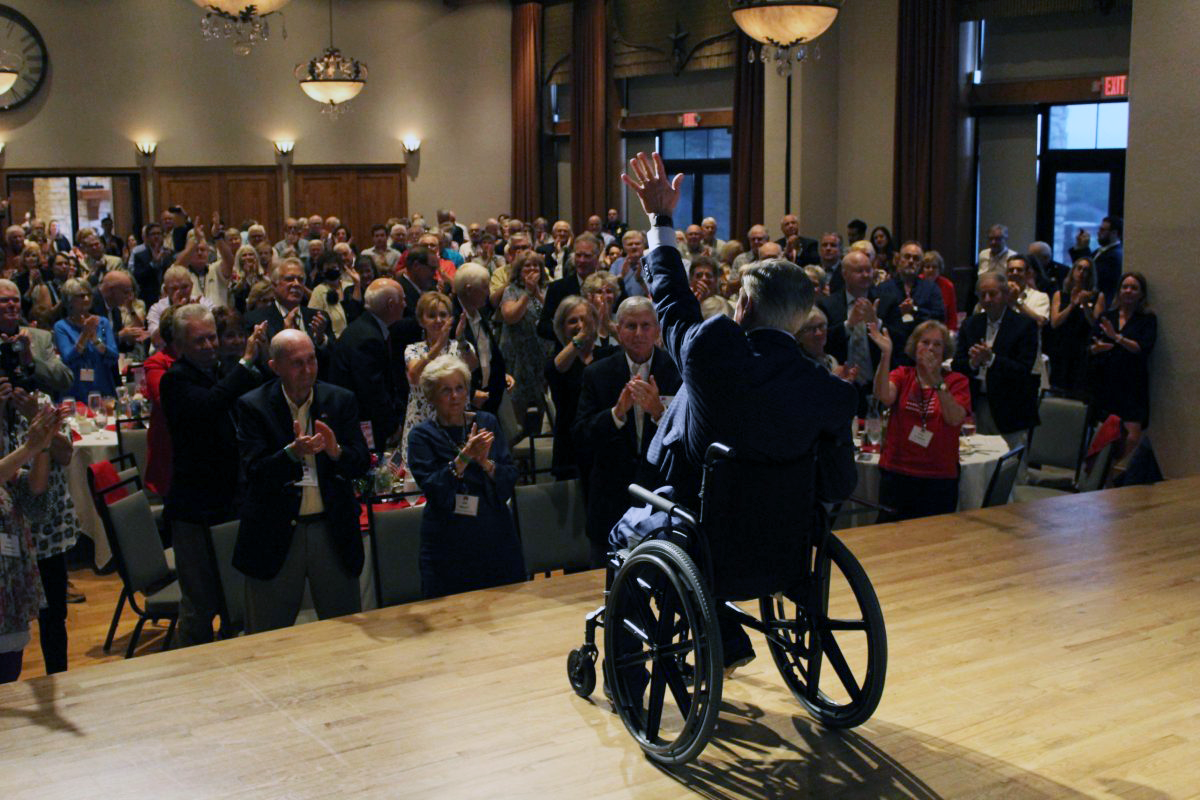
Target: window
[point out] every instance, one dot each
(78, 201)
(1089, 126)
(703, 156)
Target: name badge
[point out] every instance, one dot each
(920, 436)
(8, 546)
(309, 478)
(466, 505)
(368, 433)
(87, 375)
(907, 318)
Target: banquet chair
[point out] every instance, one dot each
(1004, 477)
(1057, 444)
(550, 521)
(1090, 479)
(233, 583)
(395, 553)
(142, 566)
(133, 441)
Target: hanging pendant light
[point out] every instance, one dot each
(784, 28)
(245, 23)
(331, 78)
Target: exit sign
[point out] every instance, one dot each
(1115, 85)
(690, 120)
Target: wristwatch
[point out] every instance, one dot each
(661, 221)
(941, 387)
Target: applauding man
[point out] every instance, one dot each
(302, 449)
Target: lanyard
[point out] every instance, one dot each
(926, 403)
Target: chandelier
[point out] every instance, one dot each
(785, 28)
(331, 78)
(245, 23)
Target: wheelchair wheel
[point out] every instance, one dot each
(662, 653)
(833, 656)
(581, 670)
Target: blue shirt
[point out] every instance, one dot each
(103, 366)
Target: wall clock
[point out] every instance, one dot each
(22, 48)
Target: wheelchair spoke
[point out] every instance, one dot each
(654, 705)
(845, 624)
(678, 688)
(632, 659)
(666, 620)
(636, 631)
(676, 649)
(838, 662)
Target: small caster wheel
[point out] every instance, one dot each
(581, 670)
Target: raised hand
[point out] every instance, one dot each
(306, 445)
(461, 327)
(256, 341)
(645, 395)
(1107, 327)
(879, 335)
(979, 354)
(332, 449)
(316, 328)
(624, 402)
(846, 372)
(647, 177)
(43, 427)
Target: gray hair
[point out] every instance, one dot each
(816, 274)
(714, 305)
(565, 309)
(598, 280)
(76, 287)
(633, 232)
(192, 312)
(470, 274)
(9, 286)
(441, 368)
(635, 305)
(378, 292)
(278, 268)
(177, 272)
(780, 292)
(994, 275)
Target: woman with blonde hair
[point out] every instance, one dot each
(434, 315)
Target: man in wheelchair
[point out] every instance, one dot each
(746, 384)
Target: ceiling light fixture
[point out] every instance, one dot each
(785, 28)
(245, 23)
(331, 78)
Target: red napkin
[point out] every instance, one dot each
(1109, 431)
(104, 474)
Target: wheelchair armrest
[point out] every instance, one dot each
(717, 450)
(661, 503)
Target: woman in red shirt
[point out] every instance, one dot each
(158, 438)
(918, 471)
(932, 267)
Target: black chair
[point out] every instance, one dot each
(1004, 477)
(760, 534)
(395, 537)
(551, 520)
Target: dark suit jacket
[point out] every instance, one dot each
(204, 461)
(809, 250)
(272, 503)
(411, 295)
(148, 273)
(836, 310)
(754, 391)
(555, 292)
(270, 314)
(1012, 389)
(614, 457)
(547, 251)
(496, 385)
(362, 363)
(1109, 264)
(928, 299)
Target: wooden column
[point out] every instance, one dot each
(589, 125)
(526, 110)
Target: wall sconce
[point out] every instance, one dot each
(411, 143)
(2, 148)
(284, 147)
(147, 148)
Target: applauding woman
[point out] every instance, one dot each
(1125, 337)
(433, 313)
(86, 343)
(919, 466)
(1074, 311)
(463, 466)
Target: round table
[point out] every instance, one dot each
(977, 457)
(92, 447)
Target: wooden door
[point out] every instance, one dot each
(199, 193)
(360, 196)
(236, 194)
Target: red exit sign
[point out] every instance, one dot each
(1115, 85)
(690, 120)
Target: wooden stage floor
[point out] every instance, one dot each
(1043, 650)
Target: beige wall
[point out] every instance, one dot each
(843, 108)
(134, 69)
(1008, 178)
(1160, 208)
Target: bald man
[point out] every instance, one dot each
(362, 363)
(807, 252)
(302, 450)
(127, 314)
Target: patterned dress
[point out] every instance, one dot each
(20, 584)
(419, 409)
(525, 354)
(53, 521)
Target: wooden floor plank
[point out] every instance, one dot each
(1041, 650)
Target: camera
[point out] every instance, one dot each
(18, 374)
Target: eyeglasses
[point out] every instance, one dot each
(820, 327)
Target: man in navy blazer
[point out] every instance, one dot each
(746, 383)
(302, 449)
(997, 349)
(622, 399)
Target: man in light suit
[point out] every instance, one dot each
(620, 405)
(37, 354)
(302, 449)
(746, 383)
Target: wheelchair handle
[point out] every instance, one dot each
(661, 503)
(717, 450)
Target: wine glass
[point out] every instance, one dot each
(874, 426)
(96, 406)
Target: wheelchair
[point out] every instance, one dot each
(755, 539)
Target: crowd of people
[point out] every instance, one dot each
(276, 369)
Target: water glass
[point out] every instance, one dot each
(968, 427)
(95, 404)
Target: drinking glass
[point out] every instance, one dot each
(874, 427)
(95, 404)
(968, 427)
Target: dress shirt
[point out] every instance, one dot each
(994, 263)
(310, 496)
(639, 417)
(483, 348)
(993, 327)
(156, 311)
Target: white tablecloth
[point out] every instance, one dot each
(93, 447)
(978, 455)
